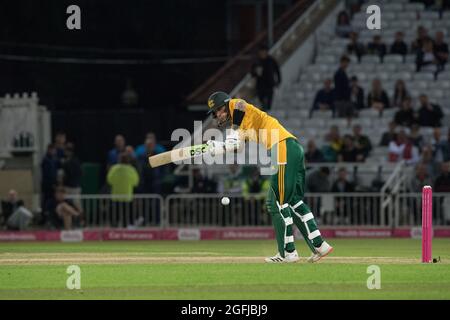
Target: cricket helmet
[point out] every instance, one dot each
(217, 100)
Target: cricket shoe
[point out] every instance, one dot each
(288, 257)
(322, 251)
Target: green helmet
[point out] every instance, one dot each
(217, 100)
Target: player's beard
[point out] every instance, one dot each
(224, 123)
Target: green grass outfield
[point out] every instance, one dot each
(221, 270)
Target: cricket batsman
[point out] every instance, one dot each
(285, 201)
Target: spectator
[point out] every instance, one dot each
(377, 47)
(443, 149)
(72, 175)
(356, 94)
(313, 154)
(349, 153)
(202, 184)
(130, 97)
(343, 27)
(405, 117)
(342, 90)
(15, 215)
(422, 37)
(442, 183)
(324, 99)
(419, 179)
(400, 93)
(428, 161)
(256, 185)
(151, 178)
(343, 204)
(342, 185)
(123, 178)
(399, 46)
(60, 145)
(430, 114)
(362, 142)
(267, 74)
(425, 59)
(61, 212)
(389, 135)
(355, 47)
(119, 147)
(438, 145)
(232, 182)
(49, 170)
(129, 151)
(334, 139)
(149, 147)
(416, 137)
(440, 50)
(319, 180)
(377, 98)
(403, 149)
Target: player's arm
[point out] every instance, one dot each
(233, 140)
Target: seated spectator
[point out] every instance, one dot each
(355, 47)
(406, 116)
(15, 215)
(313, 154)
(440, 50)
(443, 149)
(426, 59)
(231, 183)
(343, 27)
(389, 135)
(62, 212)
(150, 145)
(202, 184)
(399, 46)
(72, 174)
(422, 36)
(362, 142)
(416, 137)
(419, 179)
(341, 184)
(356, 94)
(349, 153)
(333, 138)
(429, 114)
(377, 98)
(428, 161)
(442, 182)
(377, 47)
(119, 147)
(256, 184)
(324, 99)
(400, 93)
(403, 149)
(438, 145)
(319, 180)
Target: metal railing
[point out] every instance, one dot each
(409, 209)
(206, 210)
(105, 210)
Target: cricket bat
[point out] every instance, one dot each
(177, 155)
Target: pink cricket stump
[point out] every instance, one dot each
(427, 226)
